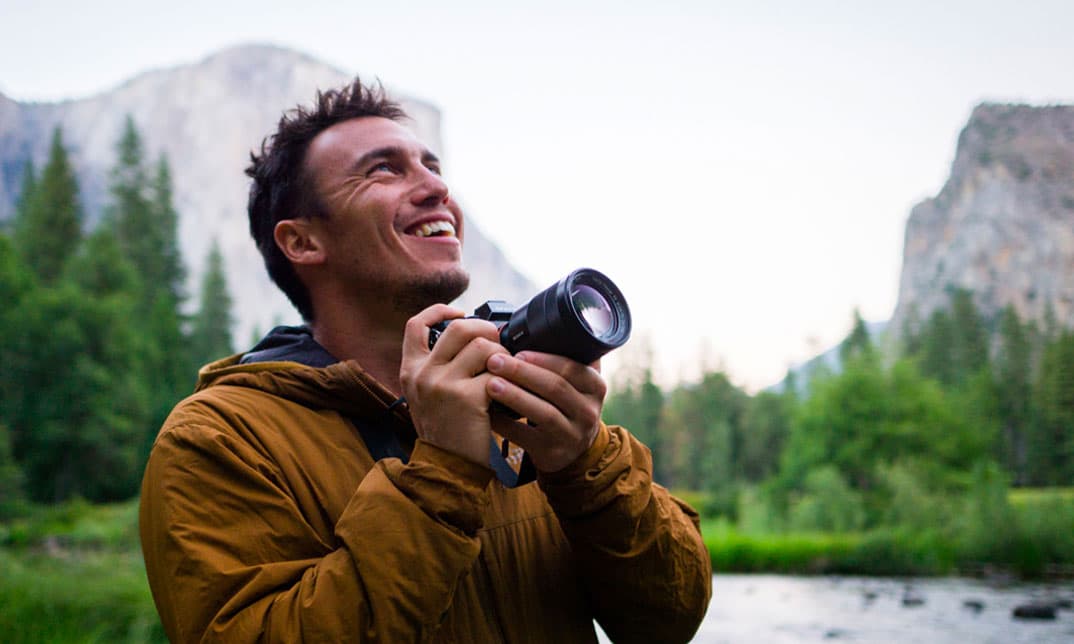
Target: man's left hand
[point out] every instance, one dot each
(562, 400)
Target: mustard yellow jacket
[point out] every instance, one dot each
(264, 518)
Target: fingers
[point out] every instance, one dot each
(544, 387)
(416, 333)
(468, 342)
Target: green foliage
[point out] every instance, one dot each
(857, 345)
(639, 405)
(827, 504)
(1013, 372)
(48, 225)
(870, 417)
(1050, 444)
(765, 427)
(74, 573)
(211, 334)
(75, 396)
(12, 492)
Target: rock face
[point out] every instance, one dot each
(1003, 224)
(206, 118)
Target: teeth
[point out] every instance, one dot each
(434, 228)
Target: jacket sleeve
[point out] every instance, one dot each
(639, 549)
(230, 557)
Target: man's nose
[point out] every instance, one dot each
(431, 189)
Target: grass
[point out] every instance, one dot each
(1036, 537)
(74, 573)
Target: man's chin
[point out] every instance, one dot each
(438, 288)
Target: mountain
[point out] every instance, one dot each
(207, 117)
(1003, 224)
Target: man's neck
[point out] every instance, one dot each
(350, 333)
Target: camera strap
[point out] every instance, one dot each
(382, 441)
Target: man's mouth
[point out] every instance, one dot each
(439, 228)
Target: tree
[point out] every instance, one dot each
(211, 335)
(638, 404)
(1050, 447)
(765, 426)
(11, 478)
(868, 418)
(130, 212)
(48, 227)
(166, 269)
(79, 406)
(858, 343)
(1014, 381)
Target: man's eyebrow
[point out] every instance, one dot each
(391, 151)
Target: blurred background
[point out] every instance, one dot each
(846, 234)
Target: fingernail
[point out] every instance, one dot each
(496, 363)
(496, 385)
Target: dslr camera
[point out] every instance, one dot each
(582, 317)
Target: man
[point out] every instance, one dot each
(297, 497)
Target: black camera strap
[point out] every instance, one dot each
(382, 441)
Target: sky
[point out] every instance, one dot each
(743, 170)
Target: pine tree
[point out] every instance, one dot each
(971, 336)
(167, 270)
(211, 334)
(131, 212)
(1050, 449)
(1013, 389)
(858, 343)
(27, 193)
(48, 228)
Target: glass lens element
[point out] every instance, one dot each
(593, 309)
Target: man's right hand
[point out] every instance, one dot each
(445, 387)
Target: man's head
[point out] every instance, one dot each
(342, 191)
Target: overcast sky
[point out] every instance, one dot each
(744, 170)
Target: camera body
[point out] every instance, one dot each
(582, 317)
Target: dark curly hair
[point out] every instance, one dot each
(282, 188)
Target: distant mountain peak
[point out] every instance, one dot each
(1002, 226)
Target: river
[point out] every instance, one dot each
(774, 609)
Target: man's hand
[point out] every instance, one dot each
(447, 387)
(562, 399)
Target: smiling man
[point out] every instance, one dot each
(340, 481)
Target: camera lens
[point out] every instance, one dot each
(594, 310)
(582, 316)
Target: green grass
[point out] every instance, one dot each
(74, 573)
(1035, 537)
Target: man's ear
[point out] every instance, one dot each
(299, 240)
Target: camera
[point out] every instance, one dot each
(582, 317)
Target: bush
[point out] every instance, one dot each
(828, 504)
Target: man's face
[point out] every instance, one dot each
(392, 230)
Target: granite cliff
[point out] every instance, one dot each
(207, 117)
(1003, 224)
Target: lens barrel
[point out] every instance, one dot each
(582, 316)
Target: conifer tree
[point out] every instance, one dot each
(48, 228)
(1013, 390)
(211, 333)
(27, 193)
(130, 212)
(168, 272)
(858, 343)
(1050, 444)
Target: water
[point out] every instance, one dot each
(777, 609)
(773, 609)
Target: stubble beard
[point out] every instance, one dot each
(438, 288)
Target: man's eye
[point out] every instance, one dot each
(383, 166)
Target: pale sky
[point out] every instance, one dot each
(743, 170)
